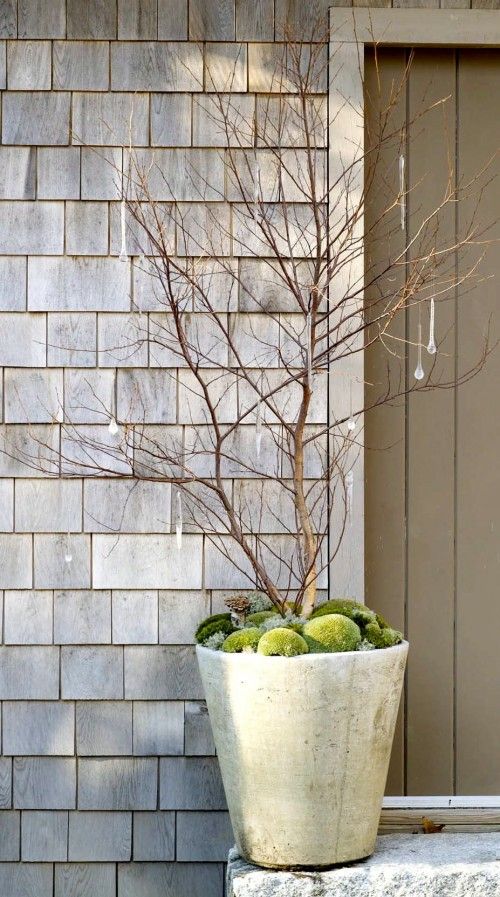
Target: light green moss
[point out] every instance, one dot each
(283, 643)
(242, 640)
(215, 641)
(382, 638)
(213, 624)
(276, 621)
(361, 614)
(260, 616)
(332, 633)
(259, 601)
(365, 645)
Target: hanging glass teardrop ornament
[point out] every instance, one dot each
(68, 556)
(419, 371)
(349, 488)
(258, 428)
(431, 345)
(113, 428)
(178, 519)
(402, 193)
(123, 250)
(351, 423)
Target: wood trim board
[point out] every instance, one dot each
(410, 821)
(416, 27)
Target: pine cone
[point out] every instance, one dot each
(238, 605)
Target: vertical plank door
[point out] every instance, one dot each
(432, 503)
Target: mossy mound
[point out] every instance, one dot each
(258, 618)
(242, 640)
(332, 633)
(213, 624)
(382, 638)
(212, 619)
(282, 642)
(361, 614)
(337, 625)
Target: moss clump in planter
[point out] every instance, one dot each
(259, 617)
(361, 614)
(215, 641)
(242, 640)
(332, 633)
(382, 638)
(211, 625)
(281, 642)
(276, 621)
(337, 625)
(259, 601)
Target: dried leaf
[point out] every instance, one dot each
(430, 827)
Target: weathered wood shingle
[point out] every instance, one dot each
(108, 751)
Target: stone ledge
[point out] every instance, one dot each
(444, 865)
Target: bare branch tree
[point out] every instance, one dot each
(244, 297)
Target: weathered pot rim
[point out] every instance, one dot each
(363, 656)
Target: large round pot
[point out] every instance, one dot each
(304, 746)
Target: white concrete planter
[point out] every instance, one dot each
(304, 746)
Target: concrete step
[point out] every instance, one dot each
(438, 865)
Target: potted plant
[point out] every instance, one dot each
(303, 714)
(251, 302)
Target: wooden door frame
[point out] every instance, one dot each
(350, 31)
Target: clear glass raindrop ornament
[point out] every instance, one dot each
(402, 194)
(419, 371)
(431, 345)
(258, 429)
(178, 520)
(351, 423)
(113, 428)
(123, 250)
(68, 556)
(349, 487)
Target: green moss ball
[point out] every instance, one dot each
(282, 642)
(213, 624)
(332, 632)
(259, 617)
(382, 638)
(242, 640)
(361, 614)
